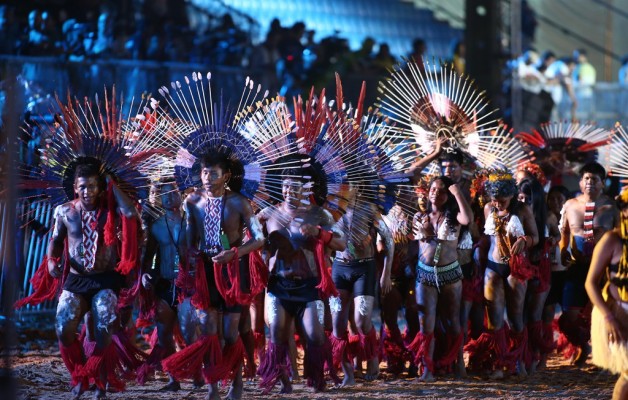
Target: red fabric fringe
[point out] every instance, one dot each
(489, 351)
(369, 344)
(130, 357)
(473, 289)
(152, 364)
(395, 352)
(521, 268)
(259, 273)
(73, 359)
(147, 306)
(339, 350)
(539, 339)
(326, 287)
(260, 343)
(355, 349)
(178, 337)
(129, 257)
(45, 287)
(274, 365)
(229, 286)
(231, 364)
(315, 359)
(518, 348)
(110, 229)
(420, 346)
(186, 363)
(577, 333)
(200, 298)
(450, 352)
(248, 339)
(108, 359)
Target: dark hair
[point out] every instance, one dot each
(560, 189)
(216, 159)
(501, 187)
(532, 187)
(453, 155)
(593, 168)
(88, 170)
(297, 173)
(450, 206)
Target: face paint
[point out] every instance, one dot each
(105, 315)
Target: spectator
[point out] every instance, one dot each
(9, 30)
(384, 61)
(419, 48)
(362, 60)
(584, 79)
(459, 57)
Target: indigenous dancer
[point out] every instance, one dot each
(215, 219)
(556, 198)
(541, 342)
(166, 240)
(96, 234)
(512, 229)
(609, 318)
(439, 274)
(585, 219)
(299, 237)
(224, 168)
(401, 294)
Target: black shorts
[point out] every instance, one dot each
(166, 290)
(294, 295)
(502, 270)
(215, 298)
(356, 276)
(88, 285)
(555, 295)
(574, 293)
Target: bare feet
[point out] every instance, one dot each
(349, 379)
(172, 386)
(427, 376)
(212, 393)
(286, 386)
(372, 370)
(77, 391)
(235, 392)
(581, 359)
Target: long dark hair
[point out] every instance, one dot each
(451, 208)
(532, 188)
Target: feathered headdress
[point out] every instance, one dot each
(617, 163)
(200, 126)
(91, 132)
(558, 142)
(500, 183)
(435, 102)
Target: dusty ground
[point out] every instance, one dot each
(41, 375)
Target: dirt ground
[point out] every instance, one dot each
(41, 374)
